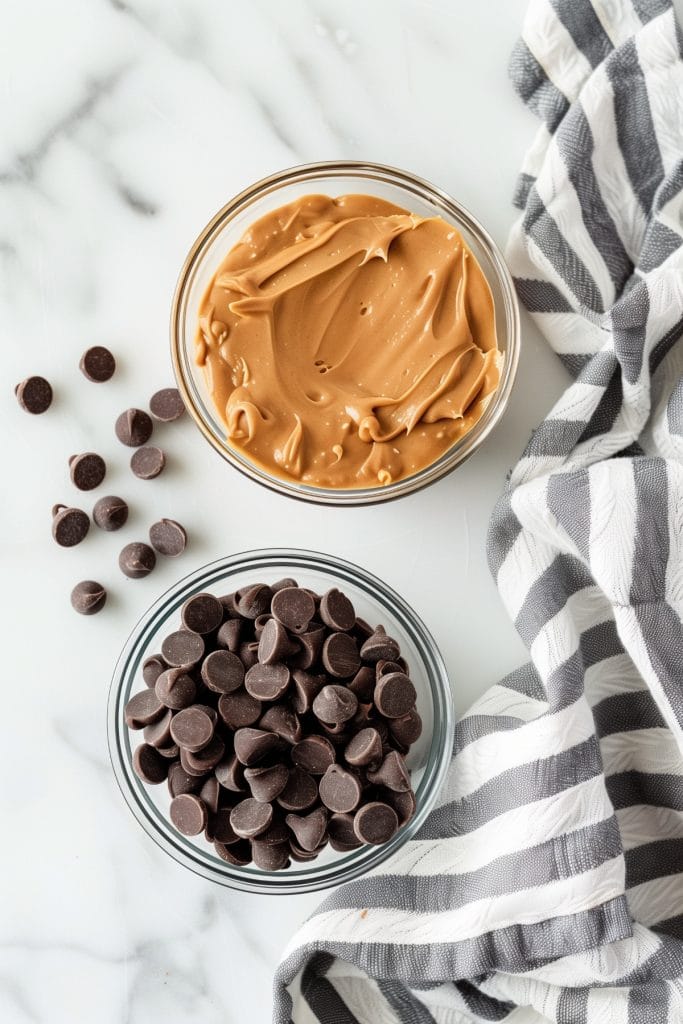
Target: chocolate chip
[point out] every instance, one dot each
(281, 584)
(270, 858)
(274, 643)
(175, 689)
(34, 395)
(87, 470)
(222, 672)
(383, 668)
(267, 682)
(239, 709)
(179, 781)
(403, 803)
(252, 745)
(276, 833)
(142, 709)
(152, 668)
(147, 462)
(395, 695)
(254, 601)
(158, 733)
(308, 829)
(97, 364)
(341, 833)
(294, 608)
(380, 647)
(219, 826)
(340, 655)
(189, 814)
(250, 818)
(192, 729)
(340, 790)
(336, 611)
(363, 683)
(210, 794)
(266, 783)
(229, 635)
(310, 647)
(306, 688)
(166, 405)
(283, 722)
(391, 773)
(230, 775)
(407, 729)
(300, 793)
(88, 597)
(110, 513)
(298, 854)
(69, 525)
(365, 748)
(202, 613)
(133, 428)
(168, 537)
(237, 854)
(248, 653)
(314, 754)
(335, 705)
(182, 649)
(137, 560)
(208, 757)
(362, 630)
(375, 823)
(149, 765)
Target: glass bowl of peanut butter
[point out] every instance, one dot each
(345, 333)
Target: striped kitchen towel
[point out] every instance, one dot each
(551, 873)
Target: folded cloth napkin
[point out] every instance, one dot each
(551, 873)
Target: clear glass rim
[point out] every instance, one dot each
(425, 190)
(298, 879)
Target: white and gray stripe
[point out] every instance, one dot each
(551, 872)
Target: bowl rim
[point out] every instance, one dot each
(458, 453)
(299, 879)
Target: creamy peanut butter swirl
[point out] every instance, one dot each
(348, 343)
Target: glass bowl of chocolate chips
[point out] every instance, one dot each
(280, 721)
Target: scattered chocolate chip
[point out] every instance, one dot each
(97, 364)
(192, 729)
(335, 705)
(142, 709)
(147, 462)
(274, 643)
(314, 754)
(87, 470)
(134, 428)
(294, 608)
(340, 655)
(250, 817)
(395, 695)
(254, 601)
(266, 783)
(149, 765)
(202, 613)
(283, 722)
(175, 689)
(69, 525)
(363, 683)
(310, 646)
(340, 791)
(308, 829)
(182, 648)
(110, 513)
(391, 774)
(88, 597)
(239, 709)
(267, 682)
(336, 611)
(166, 405)
(365, 748)
(189, 814)
(137, 560)
(306, 688)
(34, 395)
(300, 793)
(229, 635)
(168, 537)
(379, 647)
(252, 745)
(375, 823)
(248, 653)
(222, 672)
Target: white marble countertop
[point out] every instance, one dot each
(126, 124)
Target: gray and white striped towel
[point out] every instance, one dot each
(551, 874)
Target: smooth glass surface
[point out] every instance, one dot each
(334, 179)
(428, 759)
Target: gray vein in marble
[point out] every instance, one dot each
(26, 164)
(271, 120)
(136, 203)
(16, 995)
(305, 70)
(62, 734)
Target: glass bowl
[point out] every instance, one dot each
(335, 178)
(427, 760)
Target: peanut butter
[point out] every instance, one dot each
(348, 343)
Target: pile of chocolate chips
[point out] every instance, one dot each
(280, 721)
